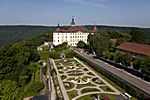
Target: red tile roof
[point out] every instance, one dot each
(73, 29)
(60, 30)
(135, 48)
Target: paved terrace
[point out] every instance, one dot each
(137, 82)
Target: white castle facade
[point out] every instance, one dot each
(72, 35)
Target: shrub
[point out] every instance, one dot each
(36, 86)
(54, 55)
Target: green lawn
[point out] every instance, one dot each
(72, 94)
(106, 88)
(86, 77)
(37, 75)
(69, 79)
(87, 90)
(79, 86)
(101, 96)
(78, 74)
(68, 63)
(63, 77)
(87, 97)
(109, 96)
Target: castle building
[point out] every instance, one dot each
(72, 35)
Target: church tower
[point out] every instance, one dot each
(73, 21)
(58, 26)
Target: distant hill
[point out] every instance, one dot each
(11, 34)
(121, 29)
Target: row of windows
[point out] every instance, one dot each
(70, 40)
(77, 37)
(59, 40)
(61, 33)
(78, 33)
(72, 33)
(60, 37)
(71, 37)
(76, 40)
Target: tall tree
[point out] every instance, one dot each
(126, 59)
(99, 42)
(81, 44)
(145, 66)
(137, 63)
(138, 36)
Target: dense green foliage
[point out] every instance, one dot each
(145, 66)
(33, 88)
(138, 36)
(57, 51)
(137, 63)
(11, 34)
(126, 60)
(81, 44)
(99, 42)
(18, 65)
(9, 90)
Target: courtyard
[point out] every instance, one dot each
(79, 82)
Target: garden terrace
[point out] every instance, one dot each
(79, 81)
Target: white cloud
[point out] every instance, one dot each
(91, 3)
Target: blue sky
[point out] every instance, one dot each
(49, 12)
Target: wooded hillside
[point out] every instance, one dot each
(12, 34)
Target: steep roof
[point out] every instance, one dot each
(77, 29)
(60, 30)
(135, 48)
(74, 29)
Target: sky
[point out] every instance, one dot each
(50, 12)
